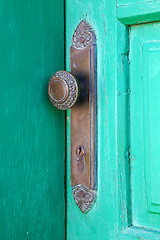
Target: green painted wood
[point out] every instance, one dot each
(145, 131)
(123, 126)
(32, 132)
(151, 75)
(110, 213)
(131, 2)
(139, 13)
(135, 233)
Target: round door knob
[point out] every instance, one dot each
(63, 90)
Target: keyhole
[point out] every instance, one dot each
(80, 153)
(79, 150)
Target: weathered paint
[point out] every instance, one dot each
(112, 214)
(135, 233)
(145, 129)
(121, 3)
(106, 218)
(139, 12)
(32, 131)
(31, 161)
(144, 125)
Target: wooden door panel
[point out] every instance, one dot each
(151, 106)
(127, 205)
(144, 131)
(31, 162)
(93, 225)
(145, 128)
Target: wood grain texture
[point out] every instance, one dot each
(32, 137)
(109, 214)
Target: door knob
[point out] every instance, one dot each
(63, 90)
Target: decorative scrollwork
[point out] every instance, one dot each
(83, 35)
(84, 197)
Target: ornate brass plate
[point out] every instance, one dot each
(83, 57)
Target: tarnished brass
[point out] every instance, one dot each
(63, 90)
(58, 90)
(83, 65)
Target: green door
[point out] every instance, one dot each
(32, 141)
(128, 86)
(34, 148)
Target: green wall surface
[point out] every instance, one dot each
(32, 141)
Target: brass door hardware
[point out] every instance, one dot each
(78, 90)
(63, 90)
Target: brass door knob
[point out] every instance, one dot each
(63, 90)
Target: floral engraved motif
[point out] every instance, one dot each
(83, 35)
(84, 197)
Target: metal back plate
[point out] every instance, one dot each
(83, 64)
